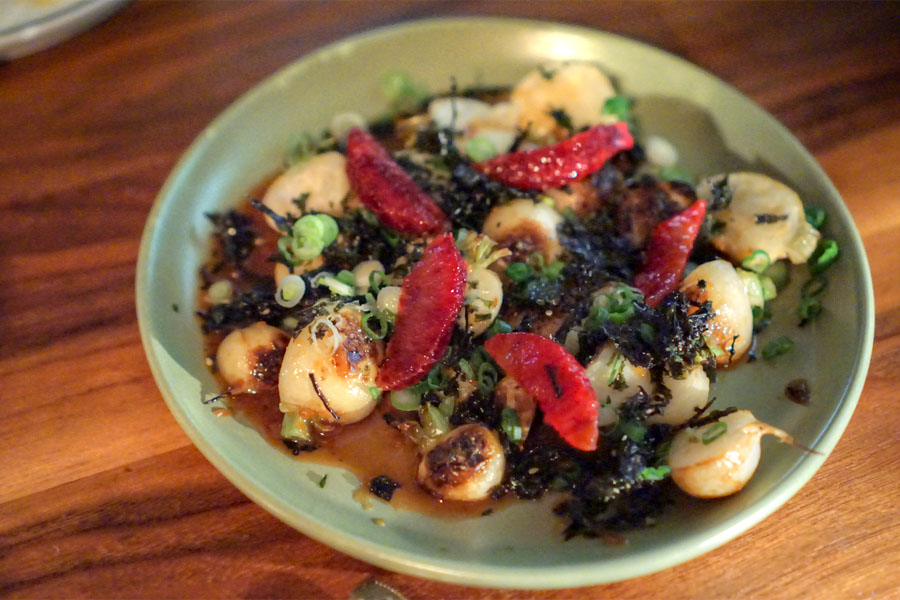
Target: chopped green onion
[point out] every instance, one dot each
(480, 148)
(511, 425)
(655, 473)
(762, 316)
(778, 273)
(375, 393)
(309, 228)
(498, 326)
(777, 347)
(346, 277)
(713, 432)
(769, 289)
(824, 256)
(814, 286)
(293, 427)
(290, 291)
(618, 363)
(757, 262)
(329, 227)
(519, 271)
(816, 216)
(336, 287)
(405, 399)
(634, 430)
(372, 333)
(753, 286)
(467, 369)
(404, 93)
(675, 174)
(435, 379)
(808, 309)
(617, 305)
(487, 377)
(434, 421)
(220, 292)
(620, 106)
(376, 280)
(447, 406)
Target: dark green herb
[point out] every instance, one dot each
(380, 331)
(814, 286)
(778, 273)
(620, 106)
(498, 326)
(634, 430)
(809, 308)
(816, 216)
(824, 256)
(510, 425)
(323, 481)
(777, 347)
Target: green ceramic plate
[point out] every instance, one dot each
(715, 128)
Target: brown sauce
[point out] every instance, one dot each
(367, 449)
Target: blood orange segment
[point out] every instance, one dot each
(558, 382)
(668, 252)
(568, 161)
(430, 299)
(387, 190)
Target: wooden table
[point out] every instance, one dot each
(102, 495)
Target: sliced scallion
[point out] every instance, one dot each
(824, 256)
(434, 421)
(814, 286)
(620, 106)
(346, 277)
(480, 148)
(655, 473)
(777, 347)
(511, 425)
(294, 427)
(778, 273)
(447, 406)
(487, 377)
(498, 326)
(757, 262)
(816, 216)
(467, 369)
(382, 326)
(769, 289)
(405, 399)
(633, 430)
(808, 309)
(713, 432)
(290, 291)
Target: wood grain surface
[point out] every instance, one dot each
(102, 495)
